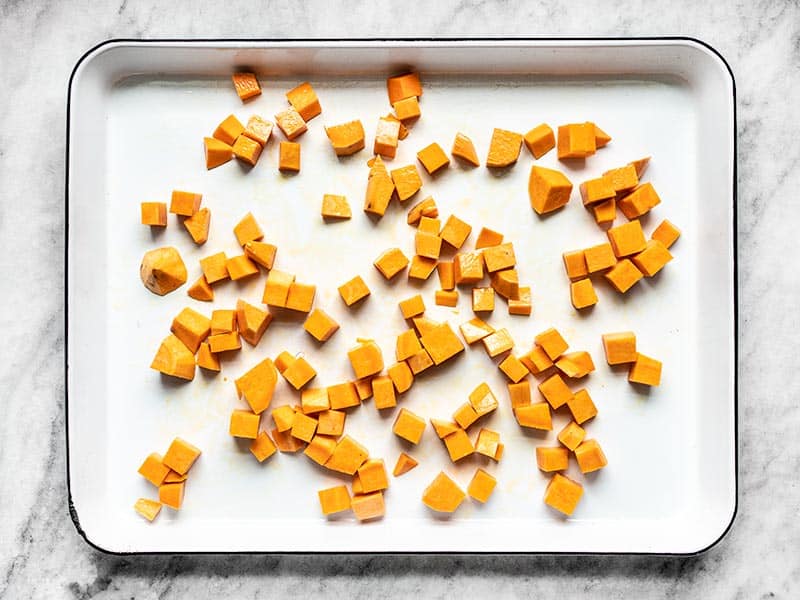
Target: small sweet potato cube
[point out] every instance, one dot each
(600, 257)
(429, 225)
(481, 486)
(214, 267)
(190, 327)
(372, 475)
(419, 362)
(506, 283)
(217, 152)
(563, 494)
(576, 140)
(441, 343)
(572, 435)
(488, 237)
(427, 245)
(446, 297)
(240, 266)
(224, 342)
(286, 442)
(519, 393)
(455, 231)
(407, 182)
(552, 458)
(366, 359)
(401, 376)
(320, 325)
(555, 391)
(548, 189)
(468, 267)
(300, 296)
(363, 388)
(601, 137)
(303, 427)
(246, 85)
(153, 469)
(354, 290)
(620, 347)
(443, 428)
(403, 86)
(582, 407)
(443, 494)
(262, 447)
(320, 448)
(552, 343)
(407, 345)
(446, 273)
(181, 455)
(433, 158)
(666, 233)
(251, 322)
(331, 422)
(639, 201)
(458, 445)
(605, 212)
(482, 299)
(475, 330)
(513, 368)
(499, 257)
(346, 138)
(230, 129)
(534, 416)
(154, 214)
(412, 307)
(283, 416)
(248, 230)
(368, 506)
(380, 189)
(348, 456)
(540, 140)
(407, 109)
(333, 500)
(482, 400)
(276, 288)
(257, 385)
(582, 293)
(391, 262)
(640, 165)
(304, 100)
(261, 253)
(185, 204)
(575, 264)
(596, 190)
(335, 207)
(409, 426)
(289, 157)
(147, 508)
(244, 424)
(536, 360)
(652, 259)
(223, 321)
(247, 150)
(645, 370)
(590, 456)
(623, 276)
(299, 373)
(498, 342)
(575, 364)
(504, 148)
(291, 123)
(314, 400)
(383, 391)
(174, 358)
(622, 179)
(464, 149)
(487, 443)
(627, 239)
(404, 464)
(425, 208)
(171, 494)
(465, 415)
(207, 359)
(258, 129)
(387, 136)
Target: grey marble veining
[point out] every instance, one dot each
(42, 556)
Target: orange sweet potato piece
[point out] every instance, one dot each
(291, 123)
(347, 138)
(247, 150)
(217, 152)
(174, 358)
(623, 276)
(404, 464)
(149, 509)
(464, 149)
(335, 207)
(576, 140)
(171, 494)
(304, 100)
(368, 506)
(441, 343)
(258, 130)
(343, 395)
(289, 157)
(666, 233)
(548, 189)
(348, 456)
(504, 148)
(191, 328)
(645, 370)
(206, 359)
(590, 456)
(162, 270)
(154, 214)
(387, 136)
(257, 385)
(153, 469)
(198, 224)
(425, 208)
(354, 290)
(285, 441)
(262, 447)
(391, 262)
(247, 230)
(540, 140)
(582, 293)
(409, 426)
(230, 129)
(433, 158)
(563, 494)
(214, 267)
(181, 455)
(335, 499)
(406, 181)
(261, 253)
(639, 201)
(443, 494)
(251, 321)
(244, 424)
(481, 486)
(246, 85)
(366, 359)
(403, 86)
(407, 110)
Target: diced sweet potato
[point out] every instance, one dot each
(548, 189)
(174, 358)
(465, 415)
(224, 342)
(304, 100)
(230, 129)
(320, 325)
(409, 426)
(504, 148)
(464, 149)
(488, 443)
(257, 385)
(380, 189)
(458, 445)
(599, 258)
(488, 237)
(582, 407)
(147, 508)
(475, 330)
(575, 264)
(401, 376)
(372, 475)
(666, 233)
(286, 442)
(623, 276)
(162, 270)
(217, 152)
(552, 342)
(391, 262)
(605, 212)
(348, 456)
(223, 321)
(314, 400)
(421, 267)
(343, 395)
(555, 391)
(404, 464)
(590, 456)
(582, 293)
(354, 290)
(443, 494)
(171, 494)
(262, 447)
(289, 157)
(572, 435)
(331, 422)
(181, 455)
(576, 140)
(206, 359)
(366, 359)
(620, 348)
(291, 123)
(601, 138)
(652, 259)
(215, 267)
(446, 297)
(335, 207)
(481, 486)
(198, 224)
(443, 428)
(513, 368)
(412, 307)
(261, 253)
(299, 373)
(645, 370)
(300, 296)
(639, 202)
(244, 424)
(251, 322)
(500, 257)
(482, 400)
(320, 449)
(407, 181)
(368, 506)
(596, 190)
(498, 342)
(258, 130)
(154, 214)
(403, 129)
(247, 230)
(419, 362)
(441, 343)
(347, 138)
(534, 416)
(433, 158)
(246, 85)
(384, 392)
(537, 360)
(519, 393)
(482, 299)
(427, 245)
(468, 267)
(563, 494)
(403, 86)
(153, 469)
(540, 140)
(407, 110)
(333, 500)
(283, 416)
(191, 328)
(240, 266)
(506, 283)
(276, 288)
(622, 179)
(446, 273)
(387, 136)
(303, 427)
(425, 208)
(627, 239)
(247, 150)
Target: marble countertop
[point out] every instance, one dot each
(41, 554)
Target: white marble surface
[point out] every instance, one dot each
(42, 556)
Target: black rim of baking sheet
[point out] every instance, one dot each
(410, 40)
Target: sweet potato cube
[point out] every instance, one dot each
(645, 370)
(283, 416)
(443, 428)
(446, 273)
(153, 469)
(419, 362)
(261, 253)
(465, 415)
(499, 257)
(147, 508)
(320, 449)
(622, 179)
(409, 426)
(276, 288)
(601, 137)
(555, 391)
(590, 456)
(639, 201)
(181, 455)
(283, 360)
(627, 239)
(481, 486)
(552, 343)
(320, 325)
(563, 494)
(487, 443)
(407, 345)
(407, 109)
(368, 506)
(576, 140)
(366, 359)
(640, 165)
(600, 257)
(354, 290)
(513, 368)
(475, 330)
(299, 373)
(154, 214)
(300, 296)
(403, 86)
(575, 264)
(286, 442)
(217, 152)
(536, 360)
(347, 138)
(652, 259)
(482, 299)
(248, 230)
(441, 343)
(455, 231)
(251, 322)
(262, 447)
(380, 189)
(522, 304)
(582, 407)
(582, 293)
(171, 494)
(372, 475)
(257, 385)
(504, 148)
(620, 347)
(224, 342)
(387, 136)
(488, 237)
(421, 267)
(548, 189)
(258, 130)
(605, 212)
(468, 267)
(498, 342)
(304, 100)
(391, 262)
(335, 207)
(246, 85)
(535, 416)
(223, 321)
(331, 422)
(404, 464)
(185, 204)
(401, 376)
(549, 459)
(303, 427)
(430, 225)
(433, 158)
(247, 150)
(291, 123)
(314, 400)
(289, 157)
(214, 268)
(464, 149)
(596, 190)
(572, 435)
(363, 388)
(623, 276)
(519, 393)
(482, 400)
(446, 297)
(333, 500)
(190, 327)
(239, 267)
(506, 283)
(427, 245)
(443, 494)
(666, 233)
(348, 456)
(407, 182)
(575, 364)
(230, 129)
(424, 208)
(540, 140)
(384, 392)
(174, 358)
(197, 225)
(207, 359)
(244, 424)
(458, 445)
(412, 307)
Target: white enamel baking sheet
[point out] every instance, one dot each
(138, 112)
